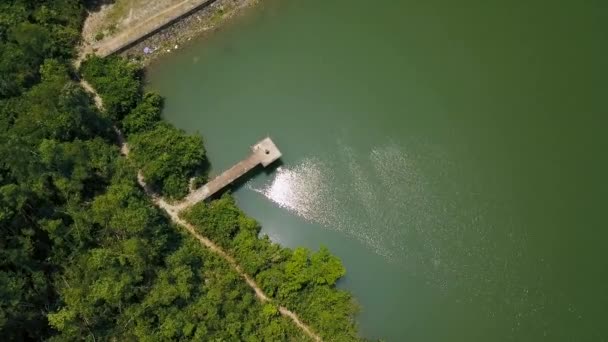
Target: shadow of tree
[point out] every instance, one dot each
(95, 5)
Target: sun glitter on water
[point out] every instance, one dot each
(348, 201)
(384, 199)
(301, 190)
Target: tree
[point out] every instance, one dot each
(300, 280)
(116, 80)
(84, 253)
(145, 116)
(167, 158)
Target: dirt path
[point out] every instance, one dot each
(89, 88)
(173, 212)
(215, 248)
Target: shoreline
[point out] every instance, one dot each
(176, 35)
(175, 212)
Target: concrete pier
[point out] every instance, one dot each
(264, 152)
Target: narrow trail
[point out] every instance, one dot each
(98, 103)
(173, 211)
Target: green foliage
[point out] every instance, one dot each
(327, 268)
(140, 280)
(43, 179)
(117, 81)
(58, 109)
(84, 254)
(31, 32)
(219, 219)
(299, 279)
(167, 158)
(200, 180)
(54, 157)
(145, 116)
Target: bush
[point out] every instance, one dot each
(300, 280)
(117, 81)
(167, 157)
(145, 116)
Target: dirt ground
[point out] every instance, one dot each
(117, 21)
(113, 17)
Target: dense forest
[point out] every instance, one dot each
(84, 253)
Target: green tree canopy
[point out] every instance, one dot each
(116, 80)
(167, 158)
(145, 116)
(84, 253)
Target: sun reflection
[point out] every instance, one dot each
(300, 189)
(381, 198)
(344, 201)
(385, 200)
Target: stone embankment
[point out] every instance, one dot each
(148, 26)
(162, 32)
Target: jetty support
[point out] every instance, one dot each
(265, 152)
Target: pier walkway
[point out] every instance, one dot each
(264, 152)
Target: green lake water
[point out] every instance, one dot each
(452, 154)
